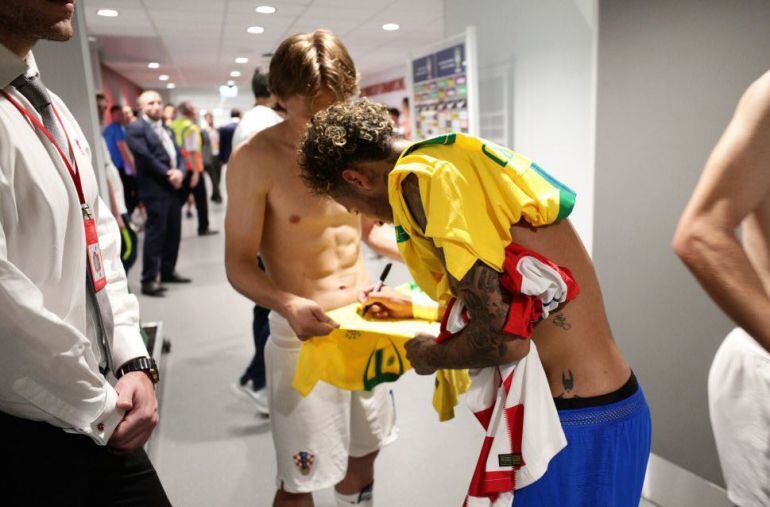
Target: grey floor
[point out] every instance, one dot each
(212, 449)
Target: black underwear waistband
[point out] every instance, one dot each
(627, 390)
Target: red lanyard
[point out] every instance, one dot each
(74, 171)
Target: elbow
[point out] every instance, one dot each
(692, 239)
(514, 349)
(232, 271)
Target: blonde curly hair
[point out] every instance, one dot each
(338, 138)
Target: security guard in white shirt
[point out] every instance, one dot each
(68, 436)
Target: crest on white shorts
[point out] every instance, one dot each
(304, 461)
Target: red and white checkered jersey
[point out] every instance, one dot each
(513, 402)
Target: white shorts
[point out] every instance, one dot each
(314, 436)
(739, 406)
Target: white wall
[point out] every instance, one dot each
(546, 48)
(669, 76)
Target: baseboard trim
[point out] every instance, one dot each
(669, 485)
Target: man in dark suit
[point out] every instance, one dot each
(226, 133)
(158, 182)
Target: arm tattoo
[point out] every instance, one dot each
(483, 342)
(568, 381)
(561, 321)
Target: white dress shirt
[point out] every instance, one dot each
(256, 119)
(49, 350)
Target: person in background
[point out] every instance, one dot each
(169, 114)
(262, 115)
(159, 182)
(115, 136)
(733, 192)
(211, 163)
(117, 200)
(252, 382)
(226, 134)
(188, 137)
(394, 115)
(128, 239)
(128, 115)
(101, 106)
(404, 120)
(71, 434)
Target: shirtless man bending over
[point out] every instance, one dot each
(733, 191)
(349, 154)
(311, 248)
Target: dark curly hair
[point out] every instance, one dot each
(339, 137)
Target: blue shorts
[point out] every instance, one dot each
(604, 462)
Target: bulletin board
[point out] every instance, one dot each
(443, 82)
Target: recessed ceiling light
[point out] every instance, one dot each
(231, 83)
(171, 86)
(163, 77)
(241, 59)
(265, 9)
(255, 29)
(390, 27)
(153, 65)
(107, 13)
(235, 73)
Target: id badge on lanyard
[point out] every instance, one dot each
(93, 251)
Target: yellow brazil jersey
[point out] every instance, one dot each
(472, 191)
(359, 355)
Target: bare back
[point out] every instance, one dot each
(575, 344)
(311, 246)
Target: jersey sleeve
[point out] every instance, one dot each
(458, 221)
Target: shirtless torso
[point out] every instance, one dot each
(311, 246)
(575, 344)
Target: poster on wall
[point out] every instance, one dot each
(443, 88)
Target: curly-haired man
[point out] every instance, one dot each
(459, 204)
(311, 248)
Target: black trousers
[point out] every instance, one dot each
(214, 169)
(44, 466)
(162, 234)
(261, 330)
(201, 200)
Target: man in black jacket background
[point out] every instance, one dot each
(158, 182)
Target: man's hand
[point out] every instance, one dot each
(196, 176)
(418, 351)
(387, 303)
(136, 395)
(175, 177)
(308, 319)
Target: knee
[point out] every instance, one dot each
(360, 474)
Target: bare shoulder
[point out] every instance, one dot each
(252, 162)
(754, 107)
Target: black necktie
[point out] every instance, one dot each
(36, 93)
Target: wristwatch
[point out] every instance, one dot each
(145, 364)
